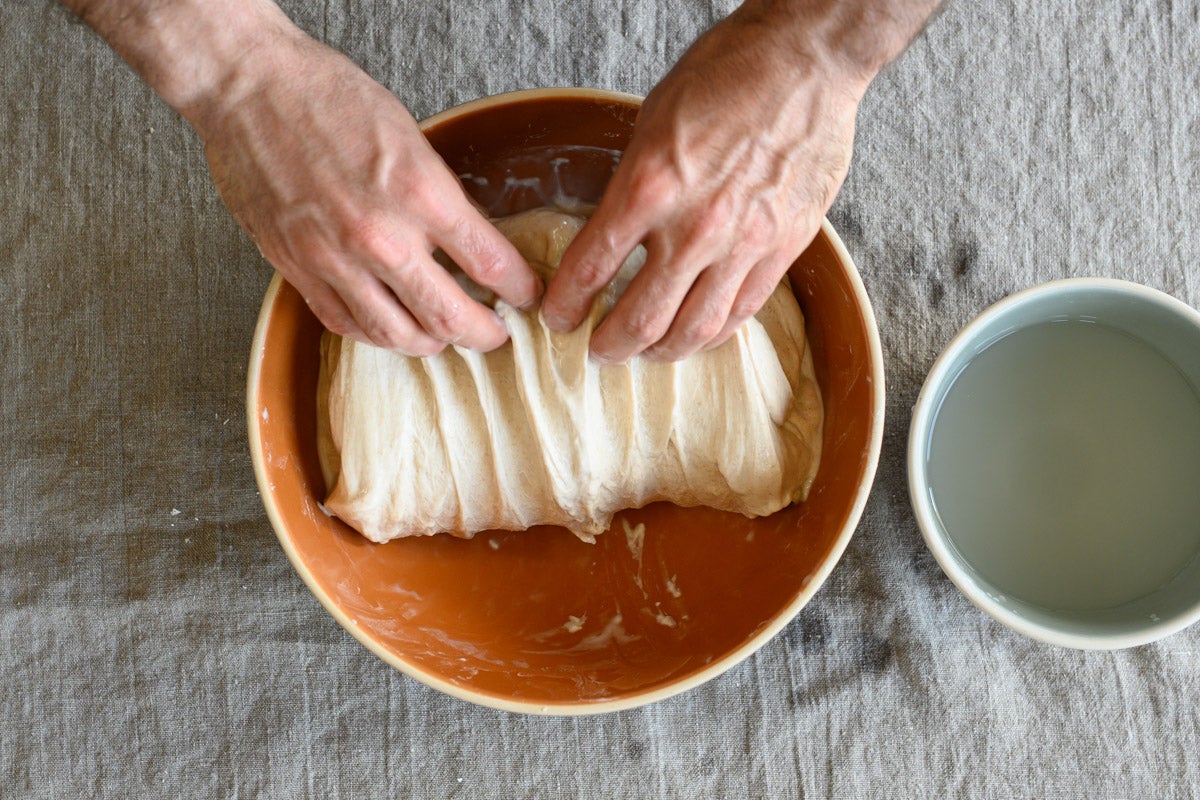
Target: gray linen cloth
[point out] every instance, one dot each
(154, 640)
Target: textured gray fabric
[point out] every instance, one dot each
(149, 653)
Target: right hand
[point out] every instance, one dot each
(330, 176)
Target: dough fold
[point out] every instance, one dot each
(536, 434)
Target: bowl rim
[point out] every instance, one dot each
(921, 427)
(718, 666)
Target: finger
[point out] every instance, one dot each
(440, 306)
(590, 262)
(383, 321)
(490, 259)
(324, 302)
(645, 311)
(759, 284)
(703, 313)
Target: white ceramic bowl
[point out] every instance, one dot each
(1172, 329)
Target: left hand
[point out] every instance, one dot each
(735, 158)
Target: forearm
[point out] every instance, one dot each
(856, 38)
(196, 54)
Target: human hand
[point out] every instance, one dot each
(735, 158)
(330, 176)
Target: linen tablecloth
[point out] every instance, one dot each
(155, 641)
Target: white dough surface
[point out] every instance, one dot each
(535, 433)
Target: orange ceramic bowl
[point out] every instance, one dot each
(538, 621)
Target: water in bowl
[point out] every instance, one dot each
(1064, 465)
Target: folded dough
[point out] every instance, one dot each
(534, 433)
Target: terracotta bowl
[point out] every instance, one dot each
(538, 621)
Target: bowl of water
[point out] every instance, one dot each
(1054, 463)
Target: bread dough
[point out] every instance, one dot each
(535, 433)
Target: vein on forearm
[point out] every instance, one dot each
(863, 35)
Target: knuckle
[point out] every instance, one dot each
(425, 191)
(653, 187)
(743, 309)
(440, 313)
(769, 223)
(392, 332)
(409, 183)
(488, 270)
(644, 328)
(702, 330)
(334, 320)
(591, 275)
(374, 236)
(423, 347)
(300, 245)
(394, 336)
(756, 236)
(384, 335)
(336, 323)
(711, 220)
(690, 335)
(748, 305)
(467, 234)
(445, 321)
(487, 265)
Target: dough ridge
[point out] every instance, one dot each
(535, 433)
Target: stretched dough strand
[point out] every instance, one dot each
(534, 433)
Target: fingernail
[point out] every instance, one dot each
(607, 359)
(653, 354)
(538, 291)
(599, 359)
(554, 322)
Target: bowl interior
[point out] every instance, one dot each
(539, 617)
(1170, 328)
